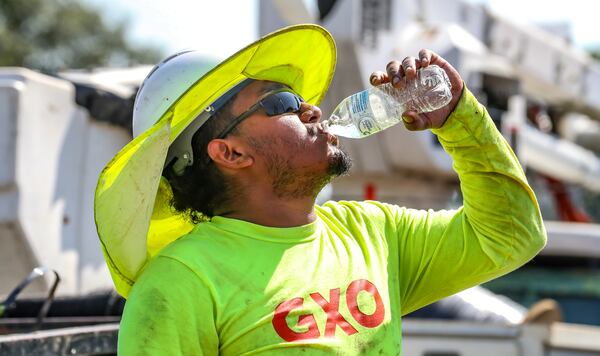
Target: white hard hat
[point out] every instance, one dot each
(165, 83)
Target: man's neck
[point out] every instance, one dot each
(267, 209)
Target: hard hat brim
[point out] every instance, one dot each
(132, 204)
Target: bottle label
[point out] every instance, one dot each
(366, 126)
(359, 102)
(359, 106)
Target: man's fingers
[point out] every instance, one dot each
(393, 72)
(425, 57)
(399, 71)
(409, 66)
(378, 78)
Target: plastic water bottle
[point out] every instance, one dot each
(375, 109)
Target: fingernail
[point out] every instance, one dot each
(395, 80)
(407, 119)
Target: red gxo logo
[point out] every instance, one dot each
(331, 308)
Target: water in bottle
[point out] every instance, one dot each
(375, 109)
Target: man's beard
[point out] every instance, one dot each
(290, 182)
(339, 164)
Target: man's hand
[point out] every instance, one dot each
(399, 72)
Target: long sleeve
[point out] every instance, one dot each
(169, 312)
(498, 229)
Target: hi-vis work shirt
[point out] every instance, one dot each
(340, 284)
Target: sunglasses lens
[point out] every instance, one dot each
(281, 103)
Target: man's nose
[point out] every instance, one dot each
(310, 113)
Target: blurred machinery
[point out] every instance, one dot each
(55, 137)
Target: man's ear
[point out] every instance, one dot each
(229, 153)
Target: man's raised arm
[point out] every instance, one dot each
(498, 229)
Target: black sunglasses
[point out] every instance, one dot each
(274, 103)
